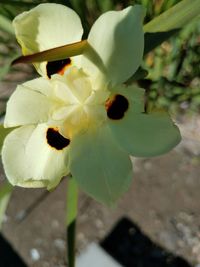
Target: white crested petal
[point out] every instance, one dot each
(76, 121)
(98, 97)
(116, 46)
(30, 103)
(29, 161)
(63, 92)
(73, 87)
(101, 168)
(47, 26)
(64, 112)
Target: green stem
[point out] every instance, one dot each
(5, 194)
(72, 204)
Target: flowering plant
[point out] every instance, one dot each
(85, 116)
(80, 117)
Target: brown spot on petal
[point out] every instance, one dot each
(57, 66)
(56, 140)
(116, 106)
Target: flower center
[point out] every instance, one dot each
(79, 104)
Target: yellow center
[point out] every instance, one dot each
(79, 105)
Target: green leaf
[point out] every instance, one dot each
(138, 75)
(105, 5)
(79, 6)
(169, 23)
(6, 25)
(57, 53)
(3, 133)
(174, 18)
(5, 193)
(19, 3)
(154, 39)
(5, 68)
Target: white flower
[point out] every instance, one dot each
(79, 117)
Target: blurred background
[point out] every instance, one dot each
(164, 198)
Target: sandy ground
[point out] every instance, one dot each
(163, 201)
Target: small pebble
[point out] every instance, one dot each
(147, 166)
(20, 215)
(80, 236)
(55, 224)
(5, 218)
(99, 224)
(35, 255)
(60, 244)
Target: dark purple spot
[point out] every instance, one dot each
(116, 107)
(57, 66)
(56, 140)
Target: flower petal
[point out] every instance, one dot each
(75, 83)
(134, 95)
(99, 165)
(141, 134)
(30, 160)
(30, 103)
(47, 26)
(117, 39)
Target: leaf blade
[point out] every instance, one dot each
(6, 25)
(3, 133)
(5, 194)
(175, 17)
(57, 53)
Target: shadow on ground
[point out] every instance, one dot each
(8, 255)
(132, 248)
(126, 243)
